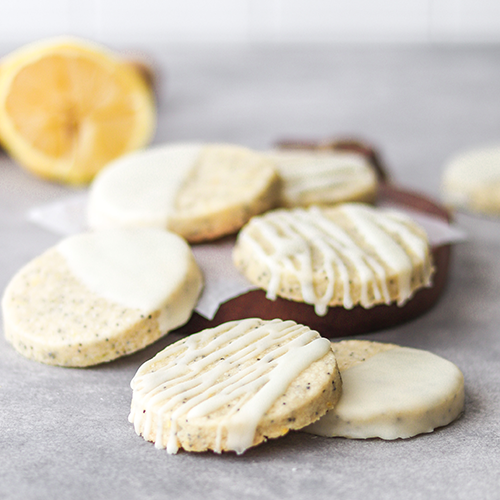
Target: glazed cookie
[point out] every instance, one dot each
(97, 296)
(231, 387)
(391, 392)
(471, 181)
(201, 192)
(343, 256)
(324, 177)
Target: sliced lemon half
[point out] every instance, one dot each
(68, 107)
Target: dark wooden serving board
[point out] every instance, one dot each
(341, 322)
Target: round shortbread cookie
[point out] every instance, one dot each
(391, 392)
(231, 387)
(97, 296)
(342, 256)
(200, 191)
(471, 181)
(324, 177)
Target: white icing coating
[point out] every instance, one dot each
(295, 235)
(395, 394)
(469, 172)
(140, 189)
(304, 172)
(372, 225)
(137, 268)
(191, 384)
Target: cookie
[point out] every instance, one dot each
(337, 144)
(349, 255)
(201, 192)
(324, 177)
(231, 387)
(471, 181)
(97, 296)
(391, 392)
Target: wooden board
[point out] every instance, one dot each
(341, 322)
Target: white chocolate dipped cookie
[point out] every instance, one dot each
(391, 392)
(97, 296)
(324, 177)
(471, 181)
(348, 255)
(200, 191)
(231, 387)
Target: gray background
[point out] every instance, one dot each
(64, 432)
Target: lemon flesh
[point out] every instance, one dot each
(69, 107)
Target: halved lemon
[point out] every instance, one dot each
(68, 107)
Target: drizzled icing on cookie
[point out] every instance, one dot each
(241, 367)
(293, 237)
(305, 172)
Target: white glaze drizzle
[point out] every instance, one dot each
(305, 171)
(191, 384)
(295, 234)
(397, 222)
(384, 245)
